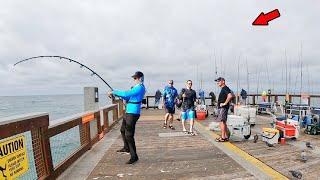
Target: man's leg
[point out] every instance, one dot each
(191, 125)
(223, 129)
(170, 119)
(123, 132)
(191, 117)
(129, 134)
(166, 117)
(156, 104)
(183, 119)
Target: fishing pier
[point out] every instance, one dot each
(83, 146)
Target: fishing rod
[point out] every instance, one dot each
(70, 60)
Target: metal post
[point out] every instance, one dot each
(91, 98)
(91, 103)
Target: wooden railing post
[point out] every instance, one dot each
(147, 102)
(275, 98)
(85, 134)
(115, 113)
(105, 120)
(42, 150)
(290, 98)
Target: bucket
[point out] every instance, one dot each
(282, 141)
(201, 115)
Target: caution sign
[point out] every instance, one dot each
(13, 158)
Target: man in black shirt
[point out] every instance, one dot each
(224, 99)
(188, 97)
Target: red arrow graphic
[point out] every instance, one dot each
(263, 19)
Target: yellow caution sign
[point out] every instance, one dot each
(13, 158)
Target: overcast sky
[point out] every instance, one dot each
(165, 39)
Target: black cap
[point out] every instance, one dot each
(219, 79)
(137, 74)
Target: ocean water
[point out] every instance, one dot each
(58, 106)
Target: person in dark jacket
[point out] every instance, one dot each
(213, 98)
(133, 98)
(244, 96)
(157, 98)
(189, 98)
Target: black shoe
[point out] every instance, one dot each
(123, 151)
(132, 161)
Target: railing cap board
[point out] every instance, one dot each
(19, 124)
(108, 106)
(22, 117)
(70, 118)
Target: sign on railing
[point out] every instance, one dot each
(13, 158)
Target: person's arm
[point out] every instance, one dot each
(180, 95)
(176, 95)
(229, 97)
(127, 94)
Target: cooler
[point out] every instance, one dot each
(270, 135)
(201, 115)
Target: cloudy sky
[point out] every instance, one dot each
(166, 39)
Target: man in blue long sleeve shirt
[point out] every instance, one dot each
(133, 98)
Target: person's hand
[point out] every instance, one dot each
(222, 104)
(110, 94)
(184, 95)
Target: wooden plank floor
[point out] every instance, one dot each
(182, 157)
(282, 158)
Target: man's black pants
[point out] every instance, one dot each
(127, 131)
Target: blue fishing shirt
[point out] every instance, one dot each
(133, 97)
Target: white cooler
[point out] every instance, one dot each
(270, 135)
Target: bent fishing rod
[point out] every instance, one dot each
(70, 60)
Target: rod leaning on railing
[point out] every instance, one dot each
(42, 132)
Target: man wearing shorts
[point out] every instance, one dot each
(188, 97)
(169, 96)
(224, 99)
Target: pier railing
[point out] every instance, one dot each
(150, 102)
(312, 100)
(254, 99)
(52, 148)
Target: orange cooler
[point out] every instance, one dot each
(201, 115)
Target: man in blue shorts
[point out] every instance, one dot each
(169, 96)
(189, 98)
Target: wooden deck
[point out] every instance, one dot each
(180, 157)
(199, 157)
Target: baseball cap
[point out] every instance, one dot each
(219, 79)
(137, 74)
